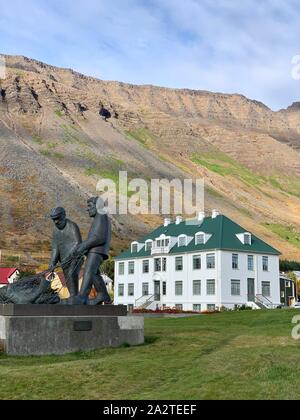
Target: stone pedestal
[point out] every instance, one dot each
(54, 329)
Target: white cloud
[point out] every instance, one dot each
(220, 45)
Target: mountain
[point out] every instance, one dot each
(54, 148)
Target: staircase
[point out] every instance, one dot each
(264, 303)
(144, 302)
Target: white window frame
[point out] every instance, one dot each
(209, 283)
(265, 257)
(199, 283)
(211, 255)
(235, 283)
(194, 259)
(247, 235)
(131, 287)
(178, 283)
(121, 286)
(248, 260)
(149, 242)
(235, 262)
(197, 236)
(131, 264)
(121, 264)
(263, 285)
(148, 262)
(180, 237)
(182, 265)
(135, 244)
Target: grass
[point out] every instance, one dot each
(223, 165)
(58, 113)
(241, 355)
(288, 233)
(141, 135)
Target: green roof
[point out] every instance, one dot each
(222, 229)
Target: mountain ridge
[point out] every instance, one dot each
(247, 153)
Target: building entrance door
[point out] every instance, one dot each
(251, 290)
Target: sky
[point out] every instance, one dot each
(230, 46)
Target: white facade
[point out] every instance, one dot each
(223, 278)
(223, 274)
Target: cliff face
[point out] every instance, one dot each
(54, 147)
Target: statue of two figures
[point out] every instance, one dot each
(69, 252)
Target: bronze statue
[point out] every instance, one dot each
(32, 290)
(96, 248)
(65, 240)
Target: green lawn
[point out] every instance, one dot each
(243, 355)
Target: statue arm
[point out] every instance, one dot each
(96, 238)
(55, 257)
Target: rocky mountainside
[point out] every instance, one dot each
(54, 148)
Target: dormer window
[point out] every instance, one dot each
(149, 245)
(163, 242)
(247, 239)
(182, 240)
(200, 238)
(135, 248)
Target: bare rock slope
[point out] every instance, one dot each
(54, 148)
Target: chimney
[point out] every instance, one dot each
(201, 216)
(167, 222)
(179, 220)
(215, 214)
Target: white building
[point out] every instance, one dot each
(198, 265)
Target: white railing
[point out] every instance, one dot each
(160, 250)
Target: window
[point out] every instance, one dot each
(148, 246)
(178, 288)
(131, 289)
(131, 267)
(179, 307)
(211, 287)
(211, 308)
(179, 264)
(211, 261)
(266, 288)
(247, 239)
(164, 288)
(157, 264)
(197, 287)
(121, 269)
(200, 239)
(134, 248)
(146, 266)
(287, 284)
(265, 263)
(197, 308)
(235, 287)
(250, 263)
(235, 261)
(145, 289)
(197, 262)
(121, 290)
(182, 241)
(164, 265)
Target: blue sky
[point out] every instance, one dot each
(230, 46)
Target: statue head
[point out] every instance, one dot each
(95, 205)
(58, 215)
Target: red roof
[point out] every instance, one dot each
(5, 274)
